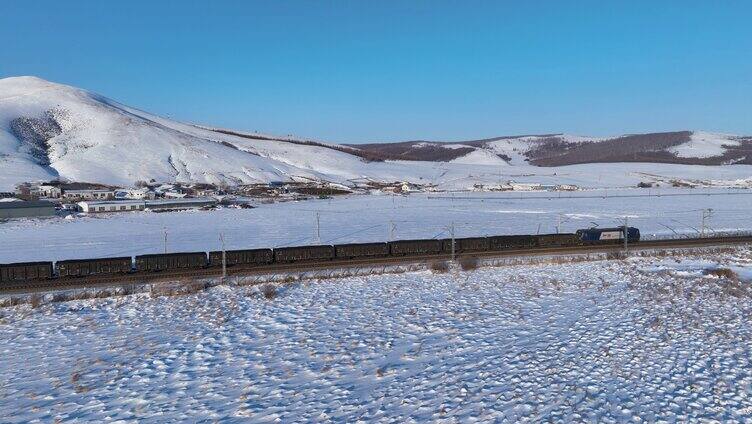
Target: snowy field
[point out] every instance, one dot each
(642, 339)
(373, 218)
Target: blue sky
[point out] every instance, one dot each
(357, 71)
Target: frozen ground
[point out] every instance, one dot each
(372, 218)
(642, 339)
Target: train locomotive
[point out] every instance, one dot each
(147, 264)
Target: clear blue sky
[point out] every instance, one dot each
(355, 71)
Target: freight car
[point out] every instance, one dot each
(558, 240)
(415, 247)
(25, 271)
(303, 253)
(361, 250)
(608, 235)
(169, 261)
(512, 242)
(103, 266)
(242, 257)
(466, 245)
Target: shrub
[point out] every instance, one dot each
(723, 273)
(269, 291)
(619, 255)
(61, 297)
(439, 267)
(468, 263)
(35, 300)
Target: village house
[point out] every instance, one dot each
(49, 191)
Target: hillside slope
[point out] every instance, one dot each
(49, 130)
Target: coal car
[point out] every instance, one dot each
(415, 247)
(512, 242)
(303, 253)
(361, 250)
(170, 261)
(242, 257)
(102, 266)
(466, 245)
(558, 240)
(25, 271)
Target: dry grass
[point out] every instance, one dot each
(723, 273)
(180, 289)
(614, 256)
(269, 291)
(36, 300)
(439, 267)
(10, 301)
(469, 263)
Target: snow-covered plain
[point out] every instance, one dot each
(366, 218)
(645, 339)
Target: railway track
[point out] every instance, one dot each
(216, 272)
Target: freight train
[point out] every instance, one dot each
(78, 268)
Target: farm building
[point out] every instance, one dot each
(51, 191)
(111, 206)
(139, 205)
(138, 193)
(86, 191)
(174, 204)
(91, 194)
(26, 209)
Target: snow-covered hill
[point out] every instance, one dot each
(49, 130)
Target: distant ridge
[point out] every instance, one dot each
(50, 130)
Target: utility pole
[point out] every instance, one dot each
(706, 214)
(452, 233)
(391, 229)
(165, 239)
(224, 255)
(558, 223)
(318, 228)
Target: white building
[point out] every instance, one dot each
(139, 205)
(89, 194)
(113, 206)
(525, 186)
(174, 195)
(136, 193)
(52, 192)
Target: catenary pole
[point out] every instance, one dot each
(224, 255)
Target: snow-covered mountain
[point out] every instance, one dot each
(49, 130)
